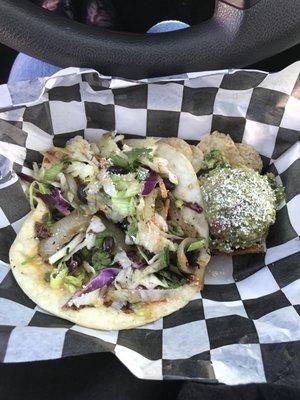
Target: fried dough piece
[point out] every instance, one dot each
(222, 142)
(250, 156)
(235, 153)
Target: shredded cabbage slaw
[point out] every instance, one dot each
(110, 234)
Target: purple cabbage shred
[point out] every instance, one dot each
(55, 200)
(74, 262)
(194, 206)
(150, 183)
(105, 277)
(25, 177)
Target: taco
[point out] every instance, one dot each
(117, 236)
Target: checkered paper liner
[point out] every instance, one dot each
(245, 325)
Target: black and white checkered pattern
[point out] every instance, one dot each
(245, 325)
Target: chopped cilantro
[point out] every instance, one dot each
(179, 203)
(214, 159)
(164, 257)
(28, 259)
(278, 189)
(51, 173)
(47, 276)
(135, 154)
(119, 161)
(197, 245)
(100, 260)
(101, 236)
(132, 230)
(173, 281)
(175, 229)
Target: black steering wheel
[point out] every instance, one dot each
(240, 33)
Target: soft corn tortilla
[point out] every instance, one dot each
(30, 277)
(188, 188)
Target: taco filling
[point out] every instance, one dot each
(120, 224)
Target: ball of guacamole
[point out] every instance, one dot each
(240, 206)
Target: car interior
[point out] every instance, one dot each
(137, 16)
